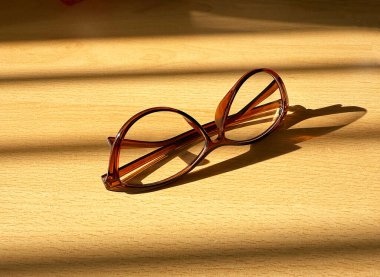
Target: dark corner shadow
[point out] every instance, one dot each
(281, 142)
(46, 20)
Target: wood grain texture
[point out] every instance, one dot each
(303, 202)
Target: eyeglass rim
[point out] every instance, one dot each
(112, 178)
(225, 104)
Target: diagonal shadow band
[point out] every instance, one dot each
(128, 74)
(281, 142)
(131, 259)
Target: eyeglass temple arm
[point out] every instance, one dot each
(246, 113)
(268, 91)
(188, 138)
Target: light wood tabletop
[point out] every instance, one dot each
(302, 202)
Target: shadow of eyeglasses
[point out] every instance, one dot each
(281, 142)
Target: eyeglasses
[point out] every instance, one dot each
(159, 145)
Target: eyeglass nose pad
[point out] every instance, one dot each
(194, 126)
(110, 141)
(190, 122)
(221, 111)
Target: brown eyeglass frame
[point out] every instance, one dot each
(222, 122)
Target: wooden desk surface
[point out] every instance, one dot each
(303, 202)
